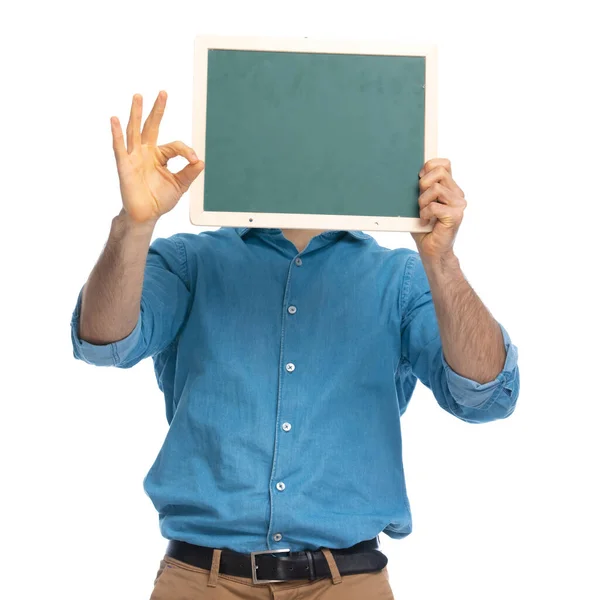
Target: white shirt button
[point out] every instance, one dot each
(277, 537)
(298, 261)
(286, 427)
(292, 310)
(280, 486)
(290, 367)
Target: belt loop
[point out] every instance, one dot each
(312, 574)
(335, 573)
(214, 569)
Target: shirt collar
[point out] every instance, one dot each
(359, 235)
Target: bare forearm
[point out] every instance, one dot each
(111, 296)
(471, 338)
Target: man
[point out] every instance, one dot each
(286, 359)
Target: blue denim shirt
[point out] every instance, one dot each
(285, 375)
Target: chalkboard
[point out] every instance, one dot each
(311, 134)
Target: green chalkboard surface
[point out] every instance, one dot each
(293, 132)
(312, 133)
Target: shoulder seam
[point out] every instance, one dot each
(183, 257)
(407, 281)
(409, 268)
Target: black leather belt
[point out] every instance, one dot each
(282, 565)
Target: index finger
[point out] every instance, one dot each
(150, 131)
(436, 162)
(118, 141)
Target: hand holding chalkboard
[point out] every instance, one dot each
(441, 199)
(148, 188)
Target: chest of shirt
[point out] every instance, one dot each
(318, 304)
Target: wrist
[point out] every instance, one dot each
(124, 224)
(444, 263)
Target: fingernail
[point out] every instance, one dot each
(193, 155)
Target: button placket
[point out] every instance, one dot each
(289, 367)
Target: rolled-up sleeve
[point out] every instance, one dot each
(422, 349)
(102, 355)
(163, 310)
(479, 395)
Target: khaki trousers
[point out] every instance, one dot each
(177, 580)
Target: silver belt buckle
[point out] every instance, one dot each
(255, 566)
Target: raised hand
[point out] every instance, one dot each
(148, 188)
(443, 199)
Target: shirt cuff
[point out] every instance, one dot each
(103, 355)
(473, 394)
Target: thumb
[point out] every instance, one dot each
(186, 176)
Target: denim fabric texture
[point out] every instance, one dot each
(285, 375)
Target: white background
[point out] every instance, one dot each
(502, 510)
